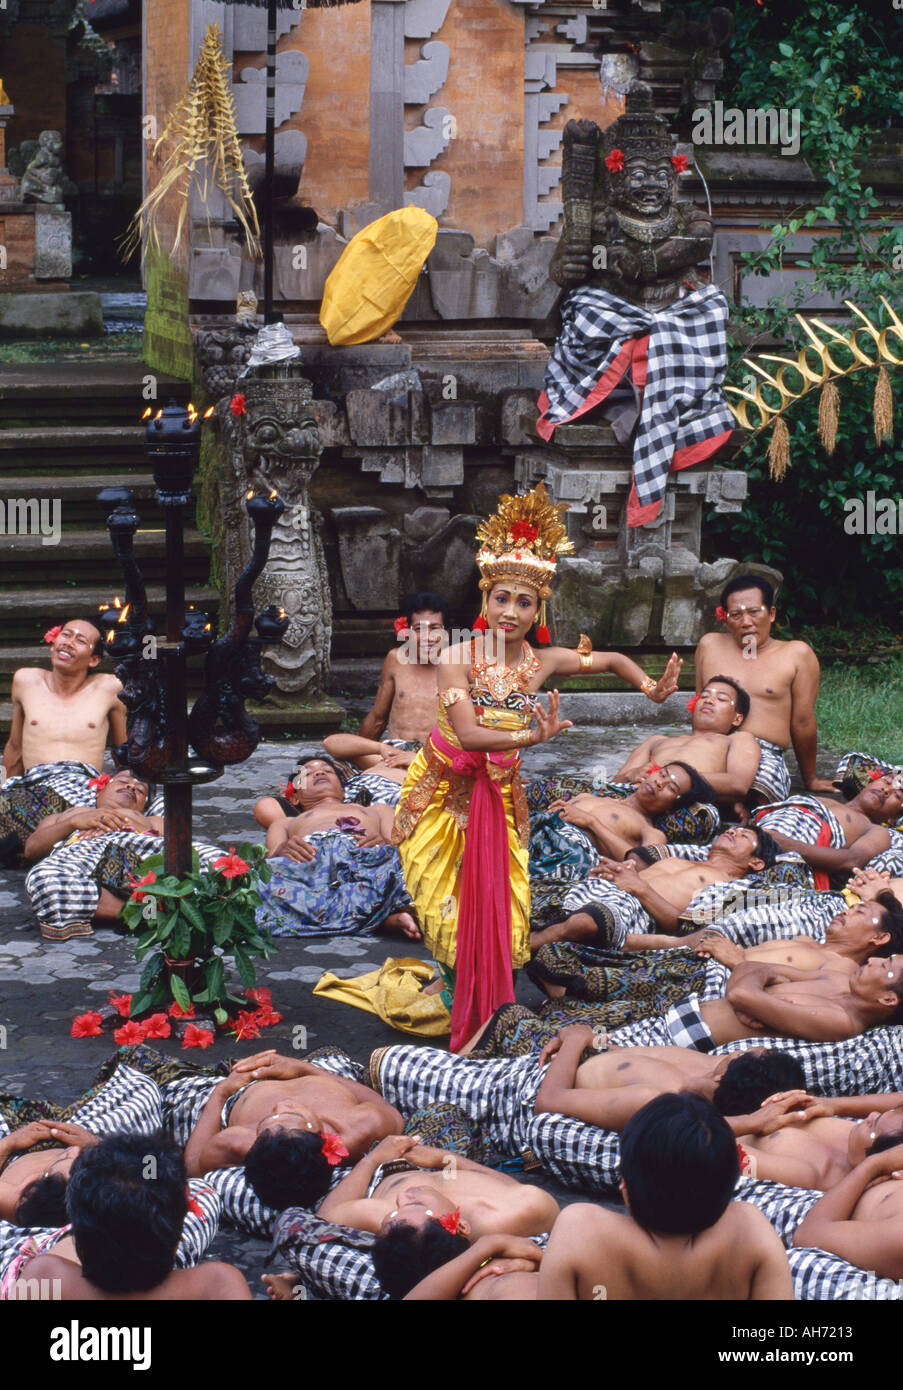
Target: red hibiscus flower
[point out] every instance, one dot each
(246, 1026)
(265, 1017)
(875, 774)
(149, 877)
(615, 161)
(231, 866)
(692, 703)
(451, 1221)
(720, 614)
(287, 790)
(176, 1011)
(53, 633)
(679, 161)
(237, 404)
(130, 1032)
(122, 1003)
(157, 1026)
(197, 1037)
(100, 781)
(86, 1026)
(333, 1149)
(196, 1209)
(261, 995)
(401, 624)
(523, 531)
(654, 767)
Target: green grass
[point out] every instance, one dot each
(70, 349)
(860, 707)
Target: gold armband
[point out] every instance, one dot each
(585, 651)
(453, 695)
(648, 686)
(521, 737)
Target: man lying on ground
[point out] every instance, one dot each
(833, 836)
(60, 723)
(861, 1217)
(620, 904)
(681, 1237)
(616, 825)
(782, 680)
(127, 1219)
(33, 1184)
(405, 705)
(88, 876)
(290, 1123)
(334, 870)
(721, 752)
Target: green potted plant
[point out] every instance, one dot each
(189, 928)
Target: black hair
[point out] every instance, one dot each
(424, 602)
(750, 1078)
(884, 1142)
(127, 1200)
(404, 1255)
(742, 705)
(43, 1202)
(748, 581)
(679, 1164)
(767, 849)
(287, 1168)
(699, 789)
(892, 923)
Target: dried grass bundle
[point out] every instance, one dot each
(779, 449)
(828, 415)
(203, 124)
(883, 407)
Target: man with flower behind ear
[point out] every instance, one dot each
(289, 1123)
(60, 724)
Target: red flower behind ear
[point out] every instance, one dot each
(615, 161)
(692, 703)
(333, 1149)
(287, 790)
(720, 614)
(875, 774)
(100, 781)
(679, 161)
(401, 624)
(53, 633)
(654, 767)
(451, 1221)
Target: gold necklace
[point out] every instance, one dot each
(500, 680)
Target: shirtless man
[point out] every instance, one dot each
(721, 752)
(125, 1231)
(666, 888)
(26, 1198)
(616, 825)
(406, 701)
(289, 1122)
(322, 798)
(861, 1218)
(782, 680)
(65, 714)
(862, 820)
(813, 1144)
(120, 806)
(681, 1236)
(869, 884)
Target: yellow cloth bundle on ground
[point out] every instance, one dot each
(395, 993)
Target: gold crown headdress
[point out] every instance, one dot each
(521, 541)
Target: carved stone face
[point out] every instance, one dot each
(281, 434)
(644, 187)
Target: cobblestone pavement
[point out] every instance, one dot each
(43, 986)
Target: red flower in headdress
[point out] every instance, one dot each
(615, 161)
(53, 633)
(122, 1003)
(720, 614)
(131, 1032)
(692, 703)
(86, 1026)
(100, 781)
(451, 1221)
(524, 531)
(197, 1037)
(237, 404)
(333, 1149)
(401, 624)
(679, 161)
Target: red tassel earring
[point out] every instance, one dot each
(542, 632)
(479, 624)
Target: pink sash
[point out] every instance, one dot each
(483, 974)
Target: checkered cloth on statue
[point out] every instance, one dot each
(676, 358)
(65, 887)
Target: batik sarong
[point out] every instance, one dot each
(772, 780)
(44, 790)
(343, 891)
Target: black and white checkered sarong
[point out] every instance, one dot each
(685, 363)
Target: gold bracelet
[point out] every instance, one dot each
(521, 738)
(585, 652)
(648, 686)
